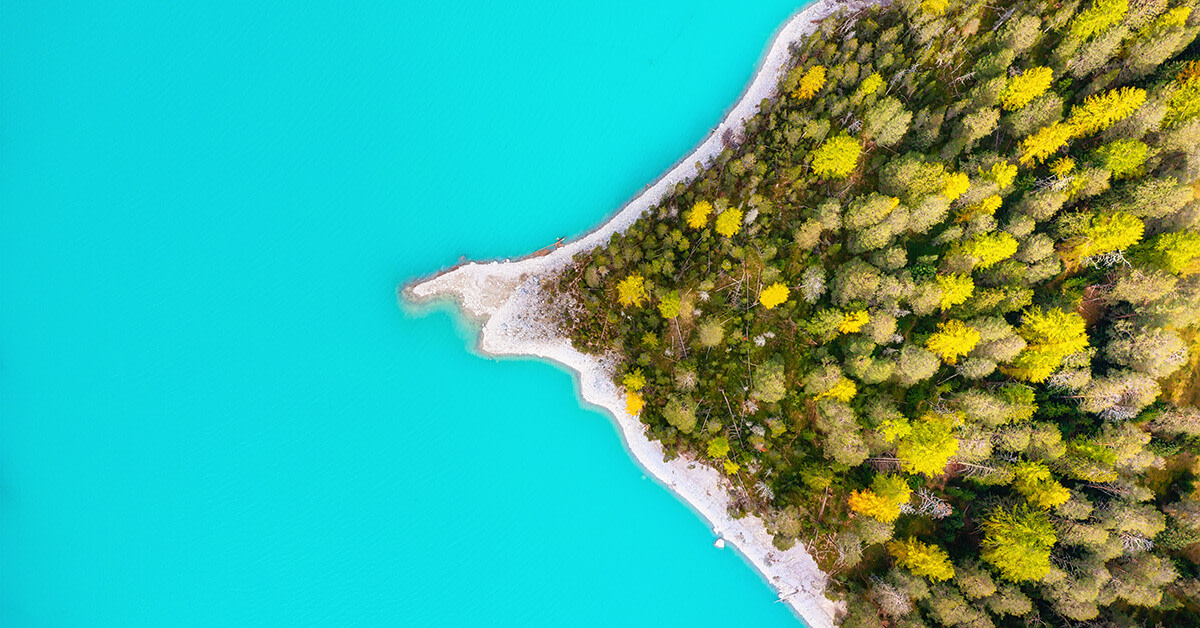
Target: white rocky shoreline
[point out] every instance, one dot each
(505, 298)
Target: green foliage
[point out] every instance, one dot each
(927, 561)
(1123, 157)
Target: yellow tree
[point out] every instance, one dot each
(697, 216)
(871, 84)
(1107, 233)
(1045, 142)
(773, 295)
(1123, 157)
(1050, 336)
(844, 390)
(1099, 17)
(729, 222)
(669, 304)
(953, 339)
(955, 185)
(883, 500)
(956, 289)
(811, 83)
(1017, 542)
(853, 321)
(1184, 103)
(837, 157)
(925, 560)
(923, 446)
(1175, 251)
(632, 290)
(634, 403)
(989, 248)
(1024, 88)
(1037, 484)
(1100, 111)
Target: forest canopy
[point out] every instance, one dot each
(934, 312)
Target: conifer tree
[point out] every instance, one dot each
(925, 560)
(1017, 542)
(837, 157)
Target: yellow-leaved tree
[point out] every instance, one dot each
(989, 248)
(925, 560)
(632, 290)
(1025, 87)
(836, 158)
(953, 339)
(925, 445)
(883, 500)
(634, 403)
(698, 215)
(1050, 336)
(955, 185)
(1100, 111)
(773, 295)
(729, 222)
(871, 84)
(956, 289)
(811, 83)
(1017, 542)
(1045, 142)
(1102, 15)
(1107, 233)
(853, 321)
(844, 390)
(1184, 104)
(1037, 484)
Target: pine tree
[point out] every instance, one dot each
(1050, 336)
(1184, 104)
(837, 157)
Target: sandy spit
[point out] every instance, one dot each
(505, 299)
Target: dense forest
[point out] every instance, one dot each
(934, 312)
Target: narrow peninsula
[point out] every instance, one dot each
(915, 328)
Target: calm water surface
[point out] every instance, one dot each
(212, 412)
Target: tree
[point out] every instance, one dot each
(698, 215)
(853, 321)
(956, 184)
(1105, 233)
(1017, 542)
(925, 560)
(989, 248)
(953, 339)
(883, 500)
(1184, 104)
(1123, 157)
(711, 333)
(914, 364)
(718, 447)
(925, 445)
(668, 305)
(680, 412)
(844, 390)
(634, 403)
(632, 290)
(1101, 16)
(729, 222)
(1100, 111)
(1037, 484)
(871, 84)
(1174, 251)
(886, 122)
(810, 83)
(768, 384)
(1045, 142)
(837, 157)
(773, 295)
(1025, 87)
(1050, 336)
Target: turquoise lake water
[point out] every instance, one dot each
(212, 411)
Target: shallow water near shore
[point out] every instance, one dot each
(212, 411)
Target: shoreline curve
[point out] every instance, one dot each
(503, 299)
